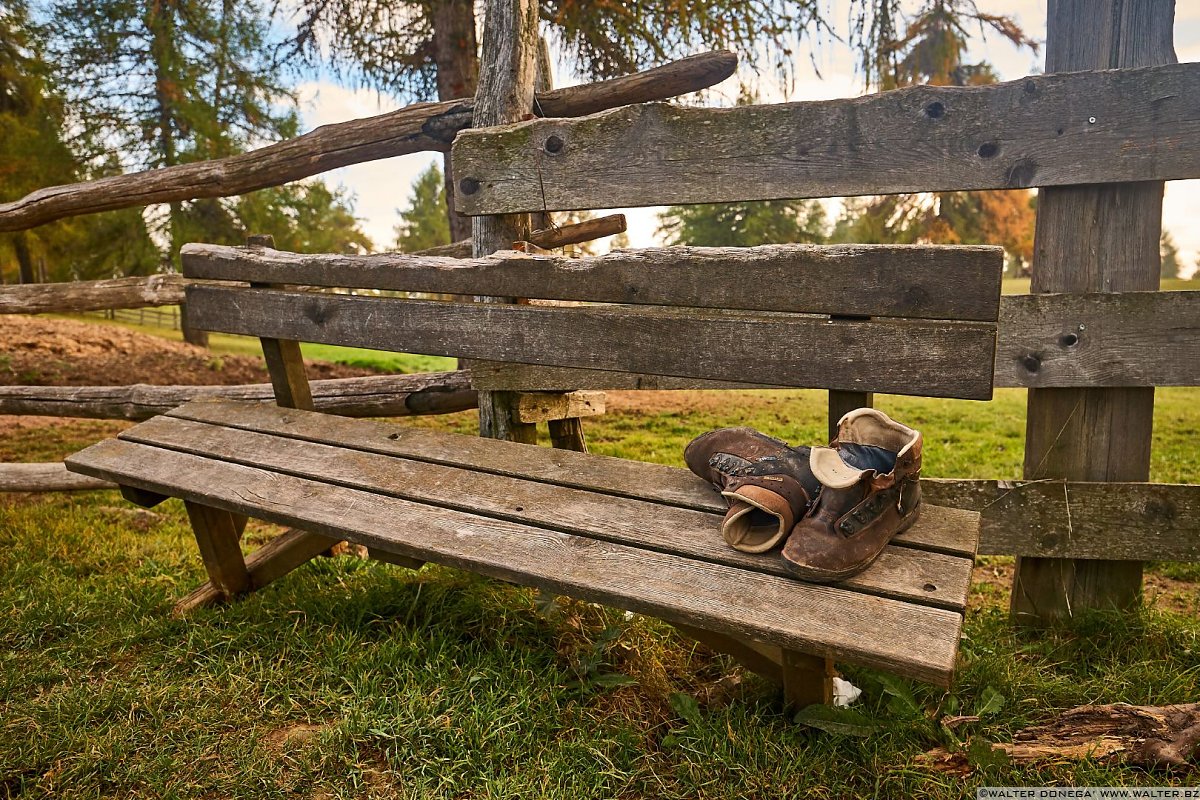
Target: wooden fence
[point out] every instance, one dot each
(1113, 118)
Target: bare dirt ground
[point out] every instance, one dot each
(46, 351)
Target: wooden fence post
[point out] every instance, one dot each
(508, 70)
(1093, 239)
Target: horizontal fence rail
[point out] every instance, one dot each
(1030, 518)
(412, 129)
(1045, 341)
(370, 396)
(1044, 130)
(103, 295)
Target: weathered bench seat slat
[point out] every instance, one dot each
(903, 573)
(930, 358)
(943, 530)
(917, 641)
(939, 282)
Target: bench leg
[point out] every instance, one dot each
(393, 558)
(807, 679)
(567, 434)
(273, 560)
(218, 535)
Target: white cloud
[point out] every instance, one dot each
(379, 187)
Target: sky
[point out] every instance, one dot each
(381, 188)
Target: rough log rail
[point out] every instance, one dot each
(1048, 130)
(1110, 520)
(370, 396)
(426, 126)
(57, 298)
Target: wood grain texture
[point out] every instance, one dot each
(425, 126)
(285, 364)
(1073, 519)
(568, 434)
(369, 396)
(1096, 239)
(508, 71)
(555, 406)
(75, 296)
(944, 530)
(1099, 339)
(1036, 131)
(46, 477)
(917, 641)
(901, 572)
(896, 356)
(1044, 341)
(922, 281)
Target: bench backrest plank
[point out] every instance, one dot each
(885, 355)
(929, 282)
(715, 314)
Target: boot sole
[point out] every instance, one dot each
(812, 575)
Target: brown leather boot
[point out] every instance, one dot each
(871, 491)
(768, 484)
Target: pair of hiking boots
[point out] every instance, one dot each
(837, 507)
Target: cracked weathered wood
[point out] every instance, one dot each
(556, 406)
(508, 71)
(76, 296)
(904, 573)
(917, 641)
(927, 281)
(368, 396)
(1045, 341)
(1036, 131)
(425, 126)
(1104, 239)
(924, 357)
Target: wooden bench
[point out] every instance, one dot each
(637, 536)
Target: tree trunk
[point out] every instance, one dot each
(24, 259)
(456, 56)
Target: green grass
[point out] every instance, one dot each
(442, 684)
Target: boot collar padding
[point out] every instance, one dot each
(827, 466)
(872, 427)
